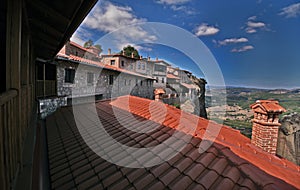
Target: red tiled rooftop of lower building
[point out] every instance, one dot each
(231, 138)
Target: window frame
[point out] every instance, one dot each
(70, 75)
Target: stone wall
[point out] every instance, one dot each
(123, 84)
(48, 106)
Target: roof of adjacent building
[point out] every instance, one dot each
(120, 55)
(230, 163)
(267, 106)
(172, 76)
(83, 48)
(189, 86)
(82, 60)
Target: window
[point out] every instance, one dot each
(136, 82)
(111, 79)
(141, 83)
(139, 65)
(122, 63)
(156, 80)
(76, 53)
(131, 66)
(129, 82)
(69, 75)
(143, 66)
(112, 62)
(90, 78)
(160, 68)
(162, 80)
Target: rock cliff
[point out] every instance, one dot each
(288, 145)
(200, 100)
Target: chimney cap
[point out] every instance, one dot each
(268, 106)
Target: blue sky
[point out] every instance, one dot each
(255, 43)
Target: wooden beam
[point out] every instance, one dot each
(40, 7)
(43, 27)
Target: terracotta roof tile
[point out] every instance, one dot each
(268, 106)
(171, 76)
(189, 86)
(225, 164)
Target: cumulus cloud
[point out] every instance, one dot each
(109, 18)
(232, 41)
(252, 25)
(291, 11)
(206, 30)
(242, 49)
(173, 2)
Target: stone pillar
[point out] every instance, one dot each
(266, 124)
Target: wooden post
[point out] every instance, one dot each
(44, 79)
(13, 61)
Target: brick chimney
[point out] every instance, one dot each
(266, 124)
(158, 92)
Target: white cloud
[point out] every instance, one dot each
(252, 18)
(250, 30)
(252, 25)
(173, 2)
(291, 11)
(232, 41)
(242, 49)
(107, 17)
(206, 30)
(184, 9)
(75, 38)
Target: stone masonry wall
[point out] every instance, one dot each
(123, 84)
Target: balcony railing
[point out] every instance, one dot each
(10, 137)
(45, 88)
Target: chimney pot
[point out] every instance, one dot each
(132, 56)
(109, 51)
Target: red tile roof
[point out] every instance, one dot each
(228, 137)
(99, 64)
(171, 76)
(189, 86)
(268, 106)
(83, 48)
(230, 163)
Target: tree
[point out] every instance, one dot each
(128, 50)
(88, 44)
(98, 46)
